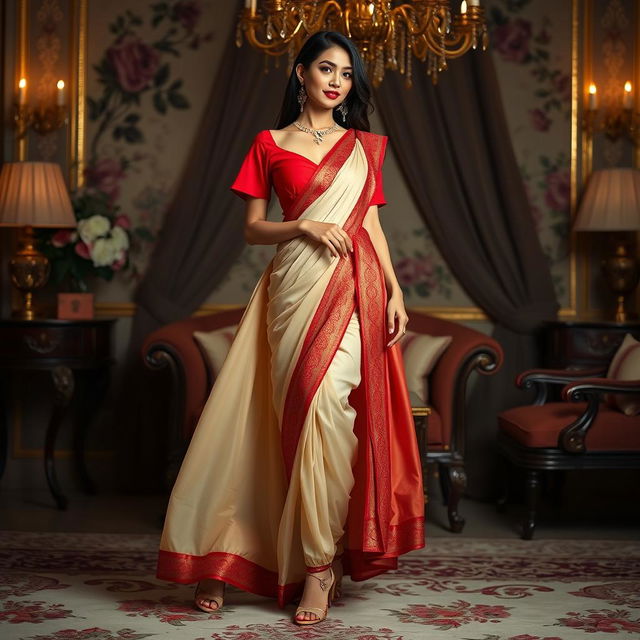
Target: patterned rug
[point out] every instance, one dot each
(102, 587)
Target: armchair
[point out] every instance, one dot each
(578, 432)
(173, 350)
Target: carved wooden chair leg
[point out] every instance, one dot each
(533, 492)
(445, 483)
(457, 482)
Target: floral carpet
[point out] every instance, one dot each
(102, 587)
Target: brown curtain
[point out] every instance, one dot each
(201, 238)
(454, 149)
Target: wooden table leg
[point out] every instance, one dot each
(63, 382)
(95, 388)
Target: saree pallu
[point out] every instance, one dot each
(270, 443)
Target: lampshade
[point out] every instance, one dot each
(611, 201)
(34, 193)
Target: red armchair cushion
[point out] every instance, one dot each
(540, 426)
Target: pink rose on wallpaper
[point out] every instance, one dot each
(106, 175)
(558, 190)
(511, 40)
(134, 62)
(412, 270)
(123, 221)
(562, 84)
(187, 13)
(539, 120)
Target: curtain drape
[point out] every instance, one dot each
(454, 149)
(201, 238)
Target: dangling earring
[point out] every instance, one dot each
(302, 97)
(343, 109)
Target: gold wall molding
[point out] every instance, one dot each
(78, 93)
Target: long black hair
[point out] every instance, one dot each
(358, 100)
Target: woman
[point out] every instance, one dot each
(304, 463)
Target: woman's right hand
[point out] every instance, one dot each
(330, 234)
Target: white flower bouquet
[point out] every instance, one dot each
(99, 246)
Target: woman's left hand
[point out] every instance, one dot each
(396, 310)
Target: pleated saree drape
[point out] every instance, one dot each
(306, 445)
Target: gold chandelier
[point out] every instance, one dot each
(387, 34)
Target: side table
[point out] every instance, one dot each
(421, 413)
(574, 344)
(68, 349)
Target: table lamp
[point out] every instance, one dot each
(611, 202)
(32, 194)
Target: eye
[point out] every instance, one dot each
(325, 68)
(347, 74)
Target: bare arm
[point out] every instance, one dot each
(395, 305)
(259, 230)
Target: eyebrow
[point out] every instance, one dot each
(333, 64)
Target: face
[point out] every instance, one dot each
(328, 79)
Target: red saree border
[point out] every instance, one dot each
(332, 315)
(229, 567)
(250, 576)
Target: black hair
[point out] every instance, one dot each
(358, 100)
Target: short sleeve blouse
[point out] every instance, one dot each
(266, 165)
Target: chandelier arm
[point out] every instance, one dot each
(459, 45)
(403, 13)
(327, 7)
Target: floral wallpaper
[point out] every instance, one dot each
(141, 77)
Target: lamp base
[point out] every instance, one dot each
(29, 270)
(621, 272)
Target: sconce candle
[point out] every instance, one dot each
(22, 91)
(251, 5)
(474, 3)
(627, 99)
(593, 97)
(463, 6)
(60, 93)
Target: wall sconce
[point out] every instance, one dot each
(614, 121)
(45, 118)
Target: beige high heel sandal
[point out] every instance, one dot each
(321, 613)
(219, 600)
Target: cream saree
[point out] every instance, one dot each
(305, 446)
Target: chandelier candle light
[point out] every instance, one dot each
(387, 33)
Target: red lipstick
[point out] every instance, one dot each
(332, 95)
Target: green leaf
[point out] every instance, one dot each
(159, 103)
(162, 75)
(178, 101)
(144, 233)
(166, 47)
(132, 118)
(133, 135)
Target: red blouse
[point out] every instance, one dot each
(267, 164)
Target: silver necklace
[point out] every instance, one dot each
(318, 134)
